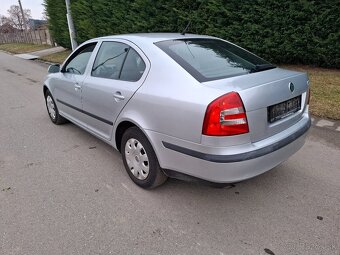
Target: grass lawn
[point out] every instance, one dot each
(58, 57)
(325, 87)
(18, 48)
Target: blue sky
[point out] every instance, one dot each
(34, 5)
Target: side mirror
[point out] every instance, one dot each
(54, 68)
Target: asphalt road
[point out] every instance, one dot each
(62, 191)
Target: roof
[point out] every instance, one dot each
(154, 37)
(34, 23)
(7, 28)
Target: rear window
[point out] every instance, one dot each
(212, 59)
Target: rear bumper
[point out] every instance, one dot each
(233, 163)
(241, 156)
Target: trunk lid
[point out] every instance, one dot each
(260, 90)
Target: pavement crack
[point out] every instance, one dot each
(32, 80)
(72, 148)
(30, 164)
(17, 107)
(10, 71)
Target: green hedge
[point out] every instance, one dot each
(290, 32)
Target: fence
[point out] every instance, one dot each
(34, 36)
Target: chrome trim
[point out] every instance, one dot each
(238, 121)
(232, 111)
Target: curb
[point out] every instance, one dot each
(44, 62)
(326, 123)
(7, 52)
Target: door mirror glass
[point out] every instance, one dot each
(54, 68)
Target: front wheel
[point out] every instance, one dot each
(140, 160)
(52, 110)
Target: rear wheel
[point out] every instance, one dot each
(140, 160)
(52, 110)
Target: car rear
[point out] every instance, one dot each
(273, 100)
(259, 120)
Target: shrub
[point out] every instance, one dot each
(290, 32)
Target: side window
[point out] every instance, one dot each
(133, 68)
(109, 60)
(78, 63)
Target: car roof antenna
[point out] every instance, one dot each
(186, 28)
(189, 23)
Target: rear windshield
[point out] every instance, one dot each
(213, 59)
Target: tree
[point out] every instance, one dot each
(2, 20)
(15, 18)
(57, 23)
(292, 31)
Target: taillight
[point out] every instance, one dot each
(225, 116)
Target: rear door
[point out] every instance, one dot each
(118, 71)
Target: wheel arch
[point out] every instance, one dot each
(120, 130)
(45, 89)
(122, 126)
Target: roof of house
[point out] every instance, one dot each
(35, 23)
(7, 28)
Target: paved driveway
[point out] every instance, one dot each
(62, 191)
(40, 53)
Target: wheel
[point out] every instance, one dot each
(140, 160)
(52, 110)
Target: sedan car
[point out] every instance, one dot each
(182, 106)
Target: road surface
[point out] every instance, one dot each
(62, 191)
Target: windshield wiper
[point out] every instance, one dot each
(262, 67)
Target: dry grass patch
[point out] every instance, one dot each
(325, 87)
(18, 48)
(58, 57)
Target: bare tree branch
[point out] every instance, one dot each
(15, 18)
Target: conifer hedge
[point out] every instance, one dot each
(290, 32)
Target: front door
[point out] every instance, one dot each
(68, 87)
(118, 71)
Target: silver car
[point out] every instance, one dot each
(182, 105)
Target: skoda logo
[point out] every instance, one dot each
(291, 87)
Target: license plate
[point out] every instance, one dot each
(284, 109)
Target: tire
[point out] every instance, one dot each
(140, 160)
(52, 110)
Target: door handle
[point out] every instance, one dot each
(77, 87)
(118, 96)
